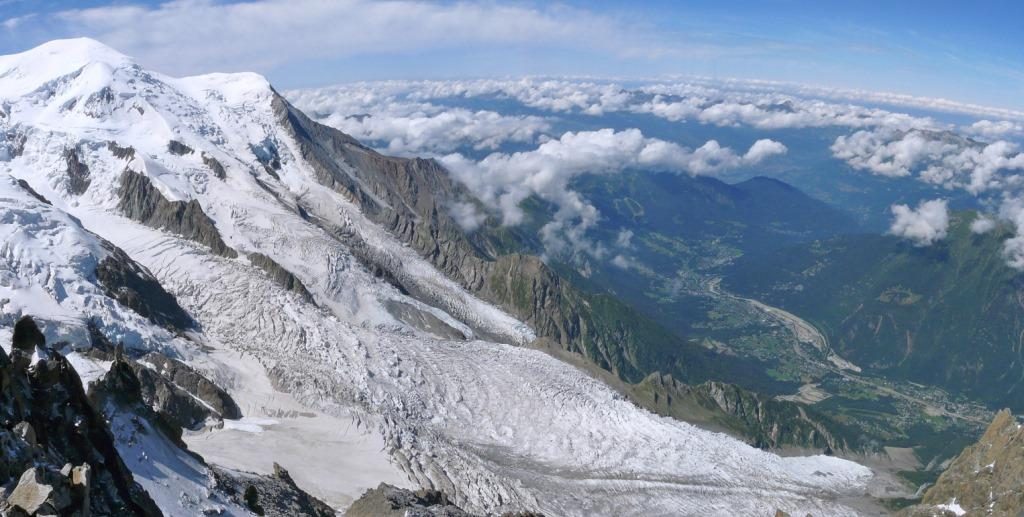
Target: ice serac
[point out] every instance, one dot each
(426, 371)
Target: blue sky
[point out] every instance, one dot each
(964, 51)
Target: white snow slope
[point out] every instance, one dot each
(499, 426)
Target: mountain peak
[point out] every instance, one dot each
(25, 71)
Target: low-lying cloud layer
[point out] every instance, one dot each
(505, 180)
(416, 118)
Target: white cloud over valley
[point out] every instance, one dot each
(505, 180)
(924, 225)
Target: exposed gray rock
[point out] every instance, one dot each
(764, 422)
(25, 431)
(40, 492)
(143, 202)
(178, 148)
(124, 153)
(280, 275)
(266, 153)
(390, 501)
(271, 496)
(46, 399)
(422, 320)
(133, 286)
(987, 478)
(28, 188)
(174, 386)
(27, 335)
(215, 166)
(78, 172)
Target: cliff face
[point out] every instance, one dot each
(141, 201)
(987, 478)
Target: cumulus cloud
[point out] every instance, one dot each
(995, 129)
(466, 215)
(504, 181)
(621, 261)
(762, 149)
(923, 225)
(982, 225)
(942, 158)
(624, 239)
(886, 152)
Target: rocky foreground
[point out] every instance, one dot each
(987, 478)
(62, 446)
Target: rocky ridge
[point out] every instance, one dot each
(60, 457)
(987, 478)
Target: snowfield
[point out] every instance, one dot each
(343, 393)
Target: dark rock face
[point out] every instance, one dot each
(215, 166)
(271, 496)
(141, 201)
(124, 153)
(177, 396)
(28, 188)
(178, 148)
(280, 275)
(78, 172)
(136, 288)
(173, 387)
(59, 456)
(27, 335)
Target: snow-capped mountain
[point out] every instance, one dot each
(267, 230)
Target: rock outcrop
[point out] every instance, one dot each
(178, 148)
(141, 201)
(215, 166)
(276, 495)
(136, 288)
(987, 478)
(59, 456)
(78, 172)
(174, 388)
(390, 501)
(280, 275)
(764, 422)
